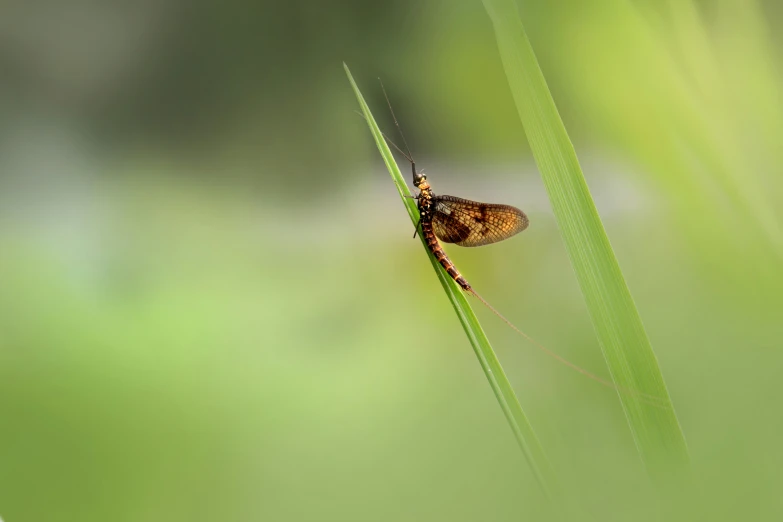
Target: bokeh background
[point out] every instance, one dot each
(211, 306)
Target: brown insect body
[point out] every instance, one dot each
(425, 204)
(462, 222)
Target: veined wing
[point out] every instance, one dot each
(470, 223)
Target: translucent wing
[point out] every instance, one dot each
(470, 223)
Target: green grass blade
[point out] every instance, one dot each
(517, 420)
(626, 348)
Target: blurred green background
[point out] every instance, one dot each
(211, 306)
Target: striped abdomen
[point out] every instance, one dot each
(440, 255)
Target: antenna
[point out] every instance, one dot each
(408, 156)
(389, 141)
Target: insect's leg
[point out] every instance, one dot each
(415, 230)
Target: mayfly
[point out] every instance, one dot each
(471, 224)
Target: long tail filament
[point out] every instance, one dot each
(647, 398)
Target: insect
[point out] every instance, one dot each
(462, 222)
(455, 220)
(470, 224)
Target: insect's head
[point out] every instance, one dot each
(419, 179)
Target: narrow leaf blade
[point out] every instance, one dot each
(618, 326)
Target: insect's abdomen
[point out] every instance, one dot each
(440, 255)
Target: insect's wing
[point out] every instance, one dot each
(470, 223)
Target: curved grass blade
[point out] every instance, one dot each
(501, 387)
(618, 326)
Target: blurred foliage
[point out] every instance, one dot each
(195, 323)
